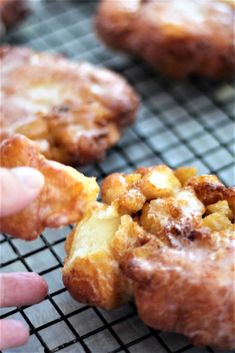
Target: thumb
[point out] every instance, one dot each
(18, 188)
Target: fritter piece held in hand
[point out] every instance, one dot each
(73, 111)
(64, 198)
(177, 37)
(169, 242)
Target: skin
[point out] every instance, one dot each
(18, 188)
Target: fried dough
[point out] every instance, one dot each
(64, 198)
(165, 238)
(188, 289)
(73, 111)
(177, 37)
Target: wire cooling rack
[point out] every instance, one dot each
(179, 123)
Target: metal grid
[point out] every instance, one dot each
(179, 123)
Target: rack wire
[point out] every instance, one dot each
(187, 122)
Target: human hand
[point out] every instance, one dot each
(16, 289)
(18, 188)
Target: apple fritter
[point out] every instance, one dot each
(177, 37)
(190, 288)
(165, 238)
(64, 198)
(73, 111)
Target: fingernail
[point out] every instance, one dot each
(30, 177)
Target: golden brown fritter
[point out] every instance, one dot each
(177, 37)
(164, 238)
(64, 198)
(12, 12)
(73, 111)
(188, 289)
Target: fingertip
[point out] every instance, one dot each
(39, 287)
(42, 287)
(22, 330)
(13, 333)
(22, 288)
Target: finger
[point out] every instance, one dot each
(21, 288)
(12, 333)
(18, 188)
